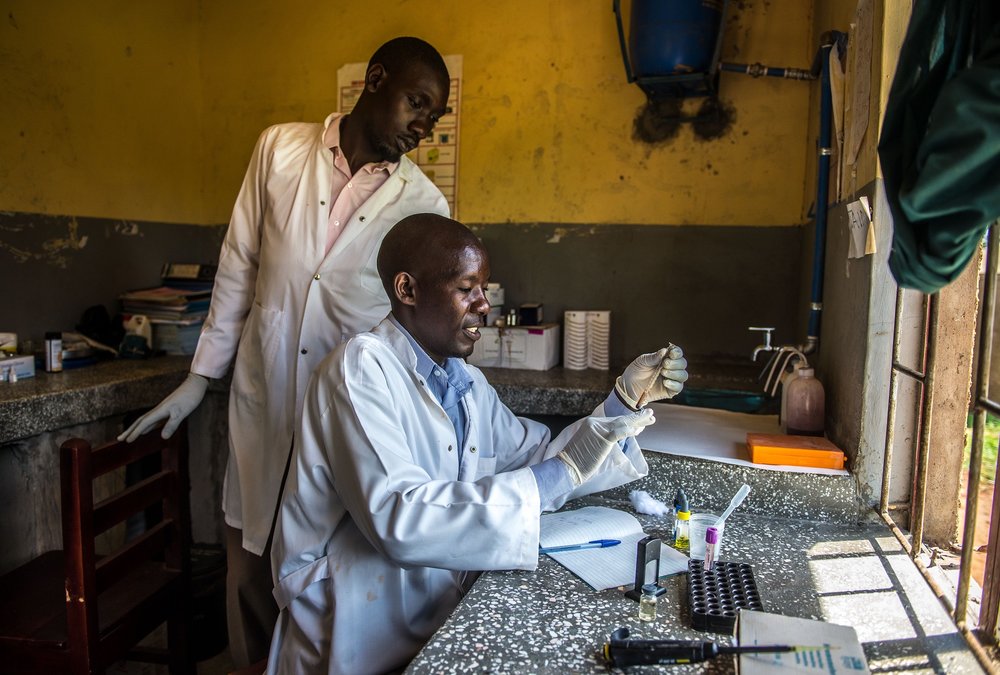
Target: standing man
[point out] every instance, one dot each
(296, 278)
(409, 475)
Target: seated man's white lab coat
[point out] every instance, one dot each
(383, 522)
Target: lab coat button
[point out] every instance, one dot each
(472, 449)
(322, 203)
(362, 219)
(449, 448)
(305, 351)
(316, 277)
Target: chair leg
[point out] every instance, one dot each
(179, 644)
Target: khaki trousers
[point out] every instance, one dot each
(251, 611)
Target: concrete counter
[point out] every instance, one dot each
(550, 621)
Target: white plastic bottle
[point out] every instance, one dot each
(806, 404)
(786, 379)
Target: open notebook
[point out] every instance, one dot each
(609, 567)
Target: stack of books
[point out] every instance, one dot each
(176, 310)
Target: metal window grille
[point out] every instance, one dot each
(983, 636)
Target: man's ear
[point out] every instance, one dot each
(375, 77)
(404, 286)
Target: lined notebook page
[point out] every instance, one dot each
(602, 568)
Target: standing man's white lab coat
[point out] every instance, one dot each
(285, 305)
(382, 519)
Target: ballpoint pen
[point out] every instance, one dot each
(596, 543)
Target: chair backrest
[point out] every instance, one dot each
(164, 544)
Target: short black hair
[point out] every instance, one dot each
(400, 52)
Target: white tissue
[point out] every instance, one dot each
(648, 504)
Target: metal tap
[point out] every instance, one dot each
(767, 346)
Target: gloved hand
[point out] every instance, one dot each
(174, 408)
(596, 438)
(653, 377)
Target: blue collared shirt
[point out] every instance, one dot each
(449, 383)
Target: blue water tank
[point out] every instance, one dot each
(673, 37)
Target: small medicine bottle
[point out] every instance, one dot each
(647, 602)
(682, 531)
(711, 540)
(53, 352)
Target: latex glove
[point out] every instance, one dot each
(653, 377)
(596, 438)
(174, 408)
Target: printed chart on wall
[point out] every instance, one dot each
(437, 156)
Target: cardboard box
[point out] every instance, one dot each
(24, 366)
(527, 347)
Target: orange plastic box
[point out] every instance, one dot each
(812, 451)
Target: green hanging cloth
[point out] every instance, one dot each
(940, 142)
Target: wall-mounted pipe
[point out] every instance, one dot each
(760, 70)
(820, 70)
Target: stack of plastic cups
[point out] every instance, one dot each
(575, 340)
(598, 338)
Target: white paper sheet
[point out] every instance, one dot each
(837, 648)
(608, 567)
(718, 435)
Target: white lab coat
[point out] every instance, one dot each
(285, 305)
(381, 525)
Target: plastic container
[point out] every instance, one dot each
(806, 404)
(698, 527)
(676, 37)
(53, 352)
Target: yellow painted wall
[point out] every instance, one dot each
(100, 113)
(165, 133)
(547, 112)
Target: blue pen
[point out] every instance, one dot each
(596, 543)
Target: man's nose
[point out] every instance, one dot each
(481, 304)
(423, 125)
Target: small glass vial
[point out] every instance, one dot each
(647, 602)
(711, 540)
(682, 531)
(53, 352)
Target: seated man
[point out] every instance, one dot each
(409, 475)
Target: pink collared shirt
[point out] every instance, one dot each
(348, 192)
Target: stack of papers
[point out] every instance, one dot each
(608, 567)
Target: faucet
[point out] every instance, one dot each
(767, 346)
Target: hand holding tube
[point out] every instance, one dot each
(653, 377)
(593, 441)
(174, 408)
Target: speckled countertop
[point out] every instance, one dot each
(51, 401)
(550, 621)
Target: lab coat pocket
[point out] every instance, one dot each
(295, 583)
(261, 339)
(487, 466)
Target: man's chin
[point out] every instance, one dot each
(389, 153)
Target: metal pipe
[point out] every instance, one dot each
(890, 425)
(926, 420)
(822, 190)
(985, 349)
(759, 70)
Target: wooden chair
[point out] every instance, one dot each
(72, 611)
